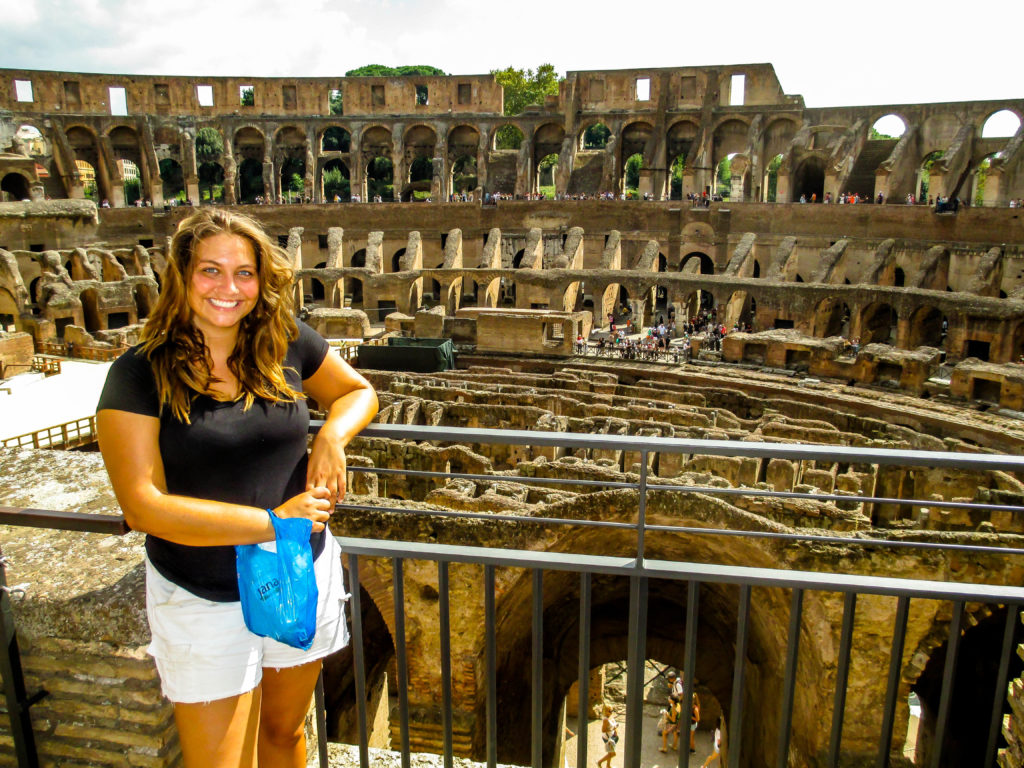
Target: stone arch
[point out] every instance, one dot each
(335, 138)
(809, 178)
(1000, 123)
(419, 141)
(358, 260)
(492, 293)
(335, 181)
(380, 177)
(375, 141)
(463, 141)
(593, 136)
(249, 180)
(172, 176)
(353, 293)
(892, 124)
(14, 186)
(249, 142)
(928, 328)
(777, 137)
(698, 301)
(507, 136)
(703, 265)
(91, 310)
(740, 309)
(290, 158)
(464, 174)
(923, 185)
(679, 140)
(470, 293)
(878, 324)
(831, 318)
(547, 141)
(730, 138)
(84, 144)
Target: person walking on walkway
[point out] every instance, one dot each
(610, 735)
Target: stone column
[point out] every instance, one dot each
(524, 168)
(311, 189)
(269, 186)
(481, 166)
(189, 168)
(230, 171)
(356, 165)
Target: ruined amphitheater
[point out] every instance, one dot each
(934, 300)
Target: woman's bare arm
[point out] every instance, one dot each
(351, 404)
(129, 443)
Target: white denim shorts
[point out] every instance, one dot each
(204, 651)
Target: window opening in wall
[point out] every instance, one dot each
(23, 90)
(118, 100)
(421, 95)
(643, 89)
(246, 96)
(1000, 124)
(204, 93)
(282, 240)
(377, 95)
(161, 95)
(321, 242)
(597, 90)
(37, 247)
(465, 93)
(739, 83)
(335, 99)
(146, 242)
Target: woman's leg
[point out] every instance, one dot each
(220, 733)
(286, 696)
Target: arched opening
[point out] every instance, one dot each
(517, 260)
(293, 174)
(662, 263)
(508, 136)
(334, 180)
(91, 310)
(83, 144)
(143, 300)
(676, 171)
(396, 260)
(32, 141)
(546, 170)
(771, 179)
(757, 268)
(831, 318)
(722, 189)
(547, 141)
(335, 139)
(679, 142)
(124, 145)
(250, 180)
(595, 137)
(507, 293)
(250, 150)
(421, 177)
(698, 306)
(898, 277)
(697, 263)
(131, 180)
(380, 179)
(888, 127)
(464, 174)
(739, 311)
(211, 182)
(354, 293)
(809, 179)
(316, 288)
(173, 179)
(982, 193)
(977, 672)
(290, 157)
(924, 174)
(358, 259)
(14, 187)
(1001, 124)
(419, 143)
(631, 175)
(878, 325)
(470, 293)
(928, 328)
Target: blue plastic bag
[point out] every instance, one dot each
(277, 584)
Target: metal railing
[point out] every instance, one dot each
(71, 434)
(644, 573)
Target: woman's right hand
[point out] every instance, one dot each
(314, 504)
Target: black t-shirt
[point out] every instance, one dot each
(256, 457)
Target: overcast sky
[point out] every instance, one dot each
(868, 52)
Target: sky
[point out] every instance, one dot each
(837, 54)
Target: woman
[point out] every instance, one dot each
(675, 709)
(203, 429)
(610, 734)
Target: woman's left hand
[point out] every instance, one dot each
(327, 467)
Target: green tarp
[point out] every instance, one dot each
(409, 354)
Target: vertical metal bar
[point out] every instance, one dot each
(398, 587)
(948, 678)
(446, 659)
(796, 606)
(321, 720)
(14, 682)
(1002, 679)
(583, 701)
(689, 670)
(842, 675)
(537, 673)
(641, 516)
(738, 674)
(358, 660)
(635, 659)
(492, 664)
(899, 634)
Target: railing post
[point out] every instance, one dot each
(14, 682)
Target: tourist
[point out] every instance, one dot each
(610, 736)
(717, 749)
(203, 430)
(671, 723)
